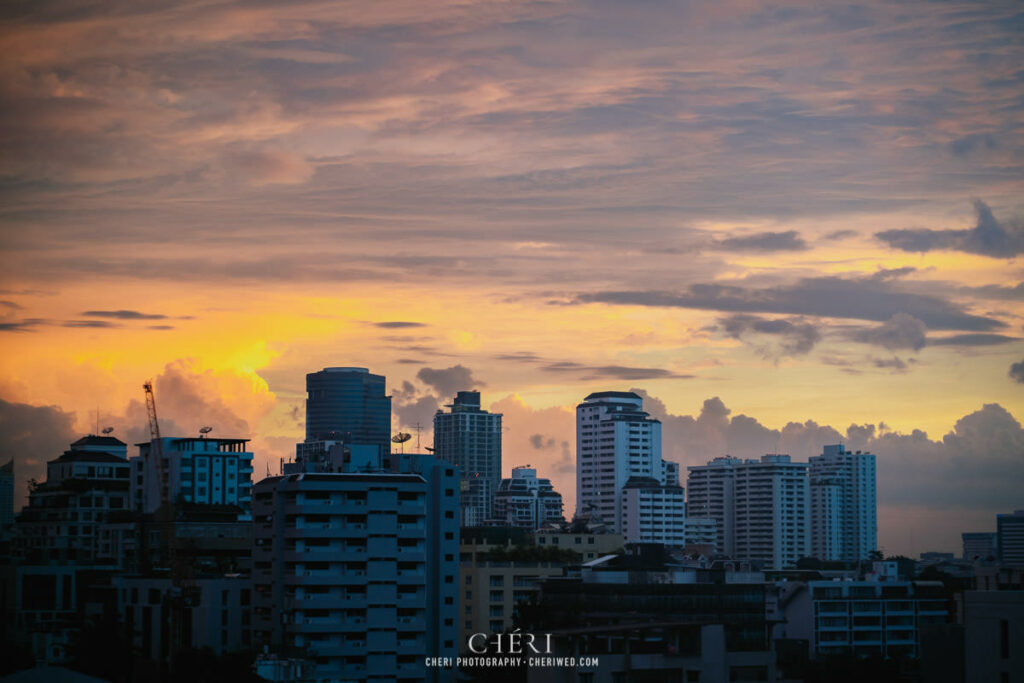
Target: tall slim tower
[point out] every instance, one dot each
(348, 405)
(772, 511)
(471, 439)
(615, 440)
(844, 522)
(711, 490)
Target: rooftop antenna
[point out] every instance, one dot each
(401, 438)
(107, 430)
(418, 427)
(203, 431)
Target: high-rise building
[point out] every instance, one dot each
(711, 488)
(525, 501)
(761, 507)
(470, 438)
(653, 512)
(357, 571)
(844, 522)
(615, 440)
(979, 545)
(772, 511)
(205, 471)
(348, 405)
(1010, 538)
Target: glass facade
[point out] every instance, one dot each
(348, 405)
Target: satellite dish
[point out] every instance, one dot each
(107, 430)
(203, 431)
(401, 438)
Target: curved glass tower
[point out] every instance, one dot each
(348, 405)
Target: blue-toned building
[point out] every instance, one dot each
(357, 571)
(348, 405)
(205, 471)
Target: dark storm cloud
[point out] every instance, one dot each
(795, 336)
(764, 241)
(1017, 372)
(448, 381)
(32, 435)
(855, 298)
(398, 324)
(976, 339)
(901, 331)
(124, 315)
(989, 237)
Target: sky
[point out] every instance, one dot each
(785, 224)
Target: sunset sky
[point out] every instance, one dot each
(787, 224)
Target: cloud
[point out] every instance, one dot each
(892, 273)
(398, 324)
(448, 381)
(614, 372)
(412, 407)
(31, 436)
(540, 442)
(124, 315)
(100, 324)
(260, 167)
(11, 305)
(829, 296)
(901, 331)
(894, 364)
(1017, 372)
(765, 241)
(976, 339)
(988, 237)
(25, 325)
(974, 469)
(160, 327)
(795, 336)
(840, 234)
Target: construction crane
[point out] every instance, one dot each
(182, 589)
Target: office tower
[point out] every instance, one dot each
(525, 501)
(653, 512)
(83, 486)
(979, 545)
(615, 440)
(844, 523)
(711, 488)
(1010, 538)
(470, 438)
(204, 471)
(348, 405)
(772, 501)
(357, 571)
(701, 531)
(6, 498)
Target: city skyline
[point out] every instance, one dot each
(783, 227)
